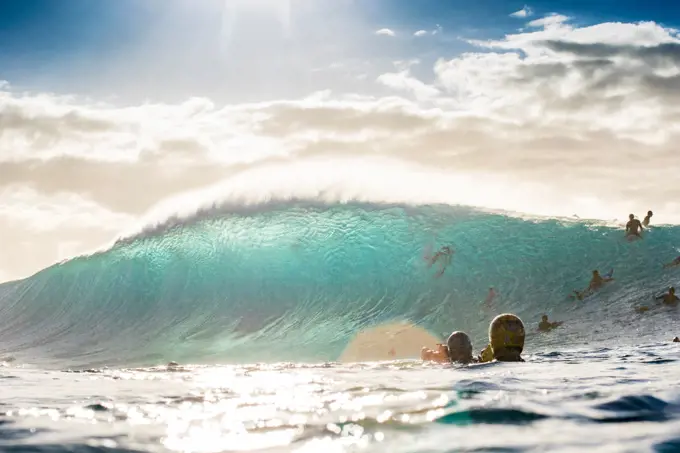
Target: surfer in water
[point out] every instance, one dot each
(490, 297)
(460, 348)
(506, 340)
(596, 282)
(546, 326)
(444, 256)
(506, 337)
(675, 262)
(633, 227)
(669, 299)
(647, 219)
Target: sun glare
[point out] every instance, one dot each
(232, 10)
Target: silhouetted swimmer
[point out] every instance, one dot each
(490, 297)
(445, 254)
(506, 335)
(596, 282)
(666, 299)
(676, 340)
(648, 218)
(675, 262)
(545, 325)
(460, 348)
(633, 227)
(669, 298)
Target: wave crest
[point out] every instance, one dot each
(295, 280)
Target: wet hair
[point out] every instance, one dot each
(506, 335)
(460, 347)
(544, 317)
(650, 213)
(631, 216)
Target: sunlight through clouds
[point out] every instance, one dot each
(541, 110)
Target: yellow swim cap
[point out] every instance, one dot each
(506, 331)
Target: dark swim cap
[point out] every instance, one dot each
(460, 347)
(506, 332)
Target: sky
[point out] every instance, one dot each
(113, 111)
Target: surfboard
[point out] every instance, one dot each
(391, 341)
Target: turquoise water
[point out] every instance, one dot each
(294, 281)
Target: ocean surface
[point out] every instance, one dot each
(258, 302)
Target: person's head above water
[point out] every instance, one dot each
(460, 347)
(596, 273)
(671, 290)
(544, 318)
(506, 335)
(631, 216)
(650, 213)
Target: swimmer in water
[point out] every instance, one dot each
(675, 262)
(648, 218)
(596, 282)
(445, 254)
(669, 298)
(486, 354)
(506, 336)
(460, 348)
(491, 296)
(633, 227)
(676, 340)
(439, 355)
(546, 326)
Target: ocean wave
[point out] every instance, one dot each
(295, 280)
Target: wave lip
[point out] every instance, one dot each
(296, 280)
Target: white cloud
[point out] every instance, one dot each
(385, 32)
(552, 20)
(522, 13)
(420, 33)
(403, 81)
(39, 213)
(588, 78)
(39, 229)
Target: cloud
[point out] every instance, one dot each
(611, 77)
(36, 227)
(420, 33)
(403, 81)
(542, 121)
(553, 20)
(385, 32)
(522, 13)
